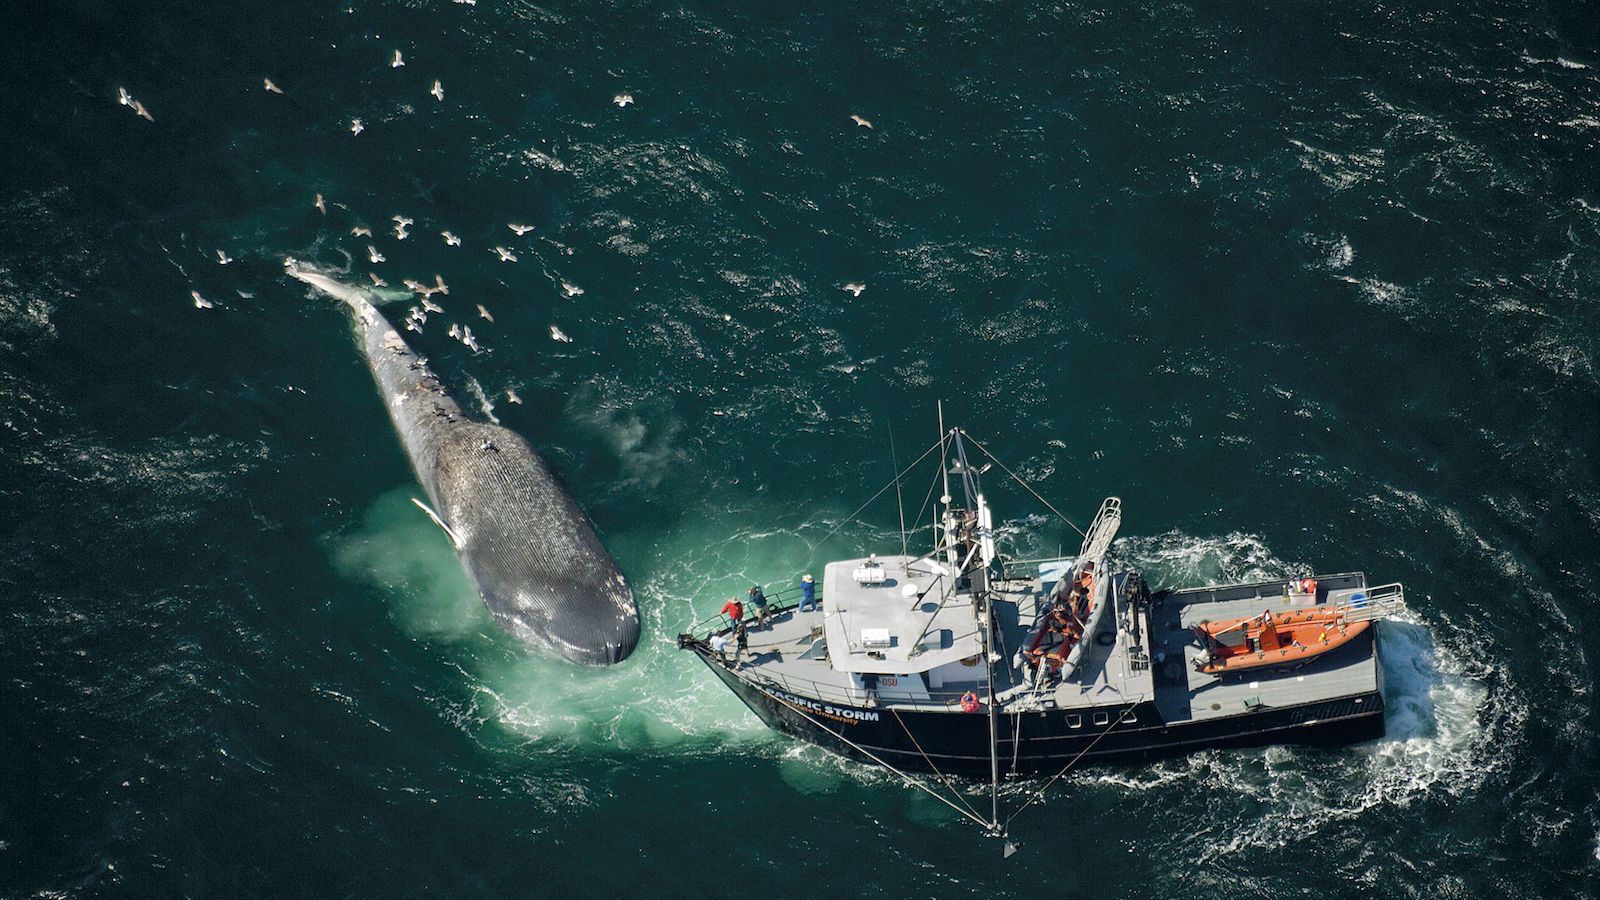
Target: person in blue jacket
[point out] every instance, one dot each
(808, 593)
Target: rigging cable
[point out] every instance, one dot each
(942, 778)
(850, 518)
(1029, 487)
(1039, 795)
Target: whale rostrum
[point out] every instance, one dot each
(529, 549)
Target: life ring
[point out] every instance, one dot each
(1308, 585)
(969, 702)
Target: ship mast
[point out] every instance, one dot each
(975, 531)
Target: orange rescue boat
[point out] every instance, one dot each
(1270, 640)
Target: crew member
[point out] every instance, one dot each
(759, 601)
(734, 610)
(808, 592)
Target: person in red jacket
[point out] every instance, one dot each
(734, 610)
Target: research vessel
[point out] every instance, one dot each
(957, 662)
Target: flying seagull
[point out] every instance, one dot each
(860, 121)
(199, 301)
(373, 254)
(450, 239)
(270, 87)
(223, 258)
(397, 62)
(571, 289)
(622, 100)
(400, 225)
(505, 255)
(143, 113)
(520, 229)
(321, 205)
(557, 334)
(854, 289)
(361, 231)
(356, 127)
(438, 90)
(484, 313)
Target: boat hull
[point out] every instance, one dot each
(1042, 742)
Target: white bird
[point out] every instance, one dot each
(468, 2)
(414, 325)
(356, 127)
(439, 287)
(361, 231)
(414, 286)
(455, 331)
(438, 90)
(223, 258)
(373, 254)
(860, 121)
(450, 239)
(400, 225)
(321, 205)
(622, 100)
(854, 289)
(484, 313)
(471, 340)
(199, 301)
(511, 397)
(123, 97)
(520, 229)
(571, 289)
(376, 281)
(397, 62)
(143, 113)
(270, 87)
(505, 255)
(431, 306)
(557, 334)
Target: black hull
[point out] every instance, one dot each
(1032, 743)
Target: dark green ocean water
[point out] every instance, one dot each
(1312, 287)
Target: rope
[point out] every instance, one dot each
(850, 518)
(942, 779)
(987, 826)
(1071, 762)
(1018, 479)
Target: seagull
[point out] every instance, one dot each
(373, 254)
(143, 113)
(860, 121)
(450, 239)
(376, 281)
(439, 286)
(468, 2)
(223, 258)
(400, 225)
(414, 286)
(484, 313)
(622, 100)
(431, 306)
(455, 330)
(557, 334)
(321, 205)
(571, 289)
(361, 231)
(413, 325)
(270, 87)
(438, 90)
(356, 127)
(520, 229)
(397, 62)
(471, 341)
(505, 255)
(123, 97)
(854, 289)
(511, 397)
(199, 301)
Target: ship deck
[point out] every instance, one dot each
(1114, 670)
